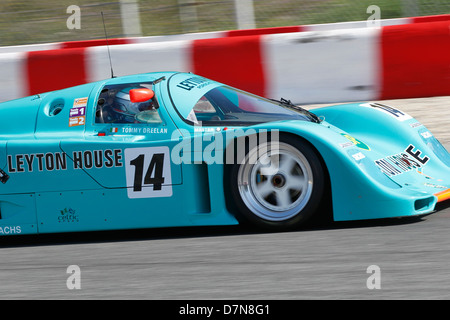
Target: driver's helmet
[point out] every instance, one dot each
(124, 109)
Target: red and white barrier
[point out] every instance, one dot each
(415, 60)
(12, 80)
(351, 64)
(137, 58)
(327, 66)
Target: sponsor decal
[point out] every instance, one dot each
(54, 161)
(426, 134)
(37, 161)
(395, 113)
(402, 162)
(5, 230)
(97, 159)
(355, 142)
(346, 144)
(77, 114)
(80, 102)
(194, 82)
(68, 215)
(432, 185)
(358, 156)
(206, 129)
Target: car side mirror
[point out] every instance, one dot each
(141, 94)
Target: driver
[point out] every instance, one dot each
(124, 110)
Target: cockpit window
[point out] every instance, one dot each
(225, 105)
(116, 104)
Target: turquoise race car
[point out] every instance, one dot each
(174, 149)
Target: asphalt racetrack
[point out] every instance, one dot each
(411, 256)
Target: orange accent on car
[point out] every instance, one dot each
(443, 195)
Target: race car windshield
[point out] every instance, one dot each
(228, 106)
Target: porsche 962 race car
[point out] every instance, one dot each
(173, 149)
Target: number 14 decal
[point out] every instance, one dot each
(148, 172)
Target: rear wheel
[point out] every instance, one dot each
(278, 185)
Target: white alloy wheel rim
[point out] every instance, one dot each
(275, 181)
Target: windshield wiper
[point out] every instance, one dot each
(158, 80)
(290, 105)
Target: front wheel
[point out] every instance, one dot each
(278, 185)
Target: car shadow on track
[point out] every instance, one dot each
(185, 232)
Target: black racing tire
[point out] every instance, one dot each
(282, 195)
